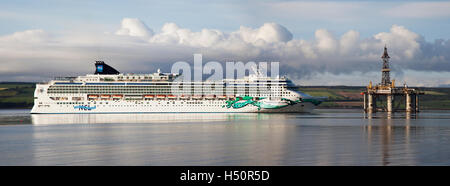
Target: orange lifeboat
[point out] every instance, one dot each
(184, 97)
(149, 96)
(160, 96)
(209, 97)
(222, 97)
(105, 96)
(196, 97)
(172, 96)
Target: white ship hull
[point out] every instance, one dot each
(162, 107)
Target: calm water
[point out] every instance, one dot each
(327, 137)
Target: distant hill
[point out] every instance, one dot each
(445, 85)
(350, 97)
(20, 95)
(16, 94)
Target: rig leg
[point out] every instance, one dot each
(417, 102)
(389, 102)
(408, 102)
(365, 103)
(370, 101)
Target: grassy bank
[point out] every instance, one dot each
(350, 97)
(16, 95)
(20, 95)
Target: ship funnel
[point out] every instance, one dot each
(102, 68)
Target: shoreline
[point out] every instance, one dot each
(19, 95)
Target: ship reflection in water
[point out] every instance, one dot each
(175, 138)
(48, 119)
(327, 137)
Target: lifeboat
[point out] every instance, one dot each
(160, 96)
(197, 97)
(105, 96)
(184, 97)
(172, 96)
(92, 96)
(149, 96)
(209, 97)
(222, 97)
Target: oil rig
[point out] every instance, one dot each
(387, 92)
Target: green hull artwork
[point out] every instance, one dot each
(269, 106)
(246, 101)
(243, 101)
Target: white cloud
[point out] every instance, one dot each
(134, 27)
(31, 54)
(27, 36)
(269, 32)
(349, 42)
(326, 42)
(172, 34)
(400, 38)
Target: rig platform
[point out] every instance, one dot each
(386, 91)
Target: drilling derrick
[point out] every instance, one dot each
(385, 71)
(387, 91)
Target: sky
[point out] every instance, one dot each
(316, 42)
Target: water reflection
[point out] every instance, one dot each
(48, 119)
(255, 140)
(390, 115)
(389, 130)
(14, 117)
(342, 137)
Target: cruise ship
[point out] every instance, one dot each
(109, 91)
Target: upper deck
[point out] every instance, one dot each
(113, 77)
